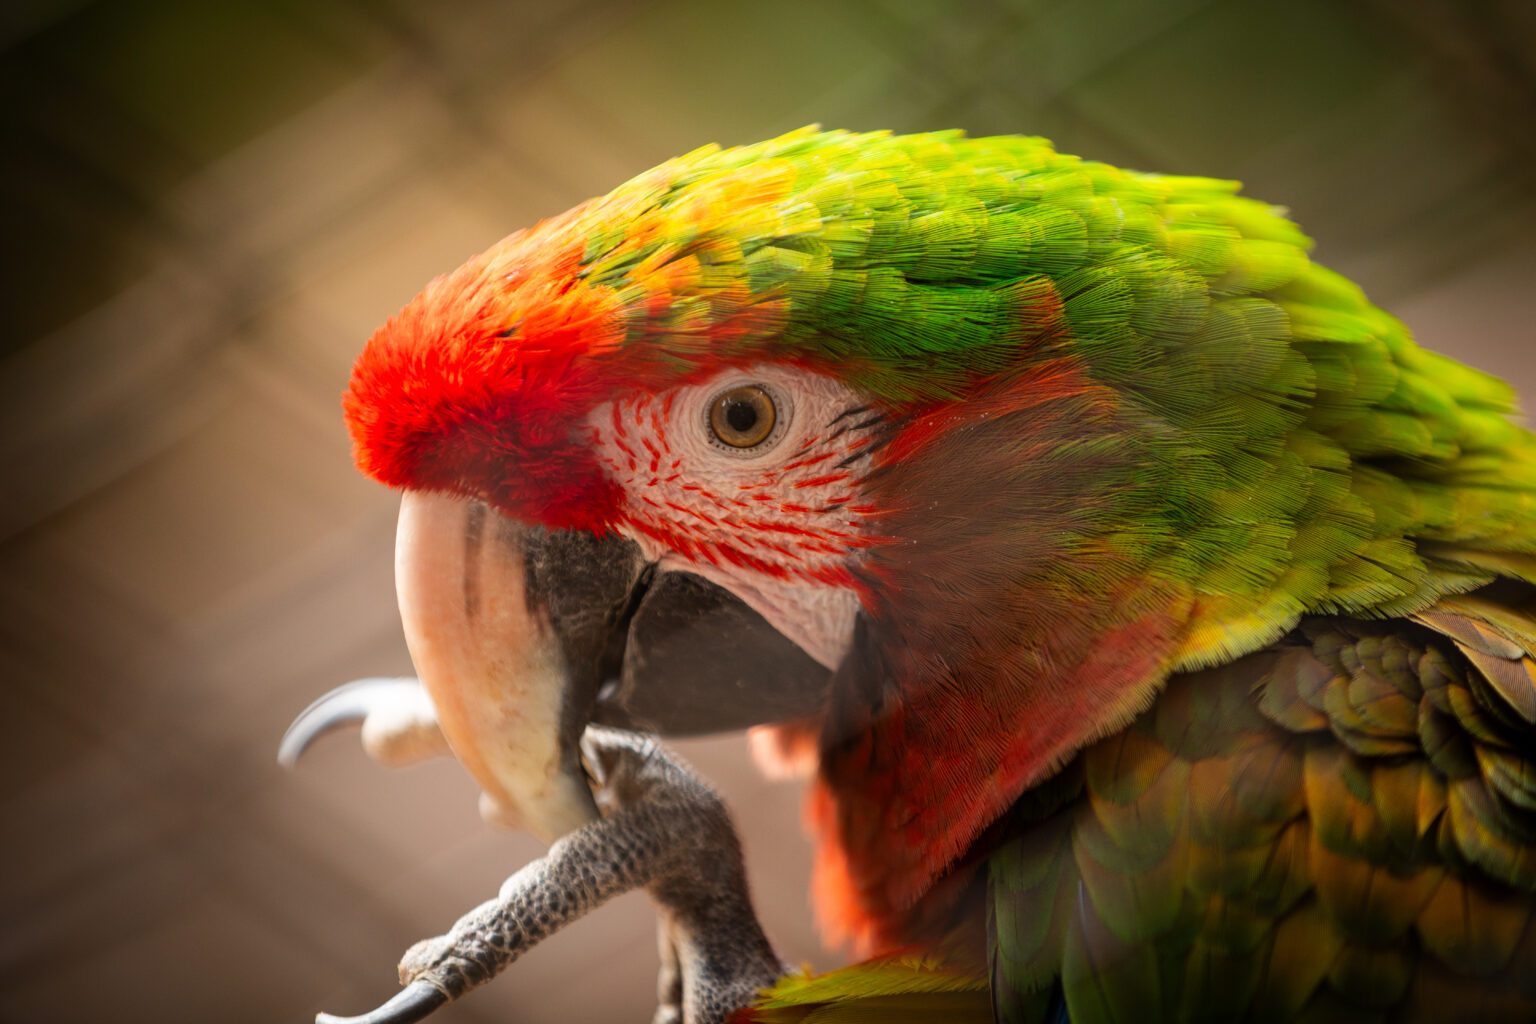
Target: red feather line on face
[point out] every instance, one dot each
(785, 522)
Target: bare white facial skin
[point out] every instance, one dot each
(779, 524)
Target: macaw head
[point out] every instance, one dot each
(947, 450)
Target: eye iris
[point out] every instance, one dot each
(742, 417)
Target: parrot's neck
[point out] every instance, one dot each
(957, 698)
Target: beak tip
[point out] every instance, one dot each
(346, 704)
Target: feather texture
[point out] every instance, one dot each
(1340, 824)
(1195, 626)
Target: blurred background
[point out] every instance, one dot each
(209, 206)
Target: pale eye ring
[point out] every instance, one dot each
(745, 418)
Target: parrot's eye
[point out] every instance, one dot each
(743, 416)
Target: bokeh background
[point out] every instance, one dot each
(209, 205)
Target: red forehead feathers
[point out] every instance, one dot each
(475, 383)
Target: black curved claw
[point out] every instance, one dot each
(348, 703)
(409, 1005)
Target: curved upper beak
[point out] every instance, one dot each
(479, 624)
(521, 636)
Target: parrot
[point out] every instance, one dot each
(1152, 620)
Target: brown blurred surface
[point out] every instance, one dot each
(208, 206)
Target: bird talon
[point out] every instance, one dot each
(409, 1005)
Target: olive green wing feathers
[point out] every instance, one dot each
(1340, 827)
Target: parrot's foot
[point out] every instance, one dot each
(398, 719)
(663, 829)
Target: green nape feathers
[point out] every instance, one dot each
(1303, 452)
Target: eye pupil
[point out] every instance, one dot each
(743, 416)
